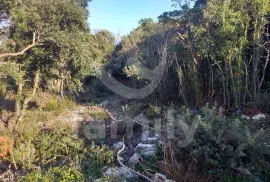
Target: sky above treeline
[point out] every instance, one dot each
(122, 16)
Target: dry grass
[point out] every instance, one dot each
(184, 171)
(97, 113)
(5, 146)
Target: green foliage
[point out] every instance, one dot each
(63, 174)
(263, 102)
(210, 51)
(153, 112)
(52, 105)
(98, 113)
(234, 179)
(58, 105)
(129, 48)
(49, 147)
(57, 144)
(101, 155)
(227, 146)
(95, 158)
(104, 45)
(65, 50)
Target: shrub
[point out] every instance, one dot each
(50, 147)
(57, 143)
(52, 105)
(263, 102)
(98, 113)
(227, 146)
(94, 159)
(153, 112)
(5, 146)
(56, 174)
(46, 146)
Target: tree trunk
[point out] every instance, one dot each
(22, 109)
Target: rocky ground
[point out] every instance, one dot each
(136, 147)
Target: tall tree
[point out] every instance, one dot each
(47, 39)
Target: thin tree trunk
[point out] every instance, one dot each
(23, 108)
(264, 68)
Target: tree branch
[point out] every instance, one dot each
(121, 163)
(34, 43)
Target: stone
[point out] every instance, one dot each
(246, 117)
(259, 117)
(120, 174)
(103, 104)
(146, 149)
(117, 146)
(151, 140)
(99, 180)
(161, 178)
(134, 159)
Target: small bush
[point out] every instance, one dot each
(56, 174)
(98, 113)
(263, 102)
(234, 179)
(153, 112)
(53, 105)
(94, 159)
(5, 146)
(47, 148)
(227, 146)
(56, 144)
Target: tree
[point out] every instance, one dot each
(104, 44)
(218, 50)
(64, 52)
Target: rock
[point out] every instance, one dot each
(117, 146)
(99, 180)
(135, 159)
(146, 149)
(151, 140)
(246, 117)
(259, 117)
(120, 174)
(103, 104)
(161, 178)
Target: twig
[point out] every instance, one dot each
(120, 162)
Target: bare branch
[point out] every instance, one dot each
(121, 163)
(34, 43)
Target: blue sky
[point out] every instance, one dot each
(121, 16)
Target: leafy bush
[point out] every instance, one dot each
(100, 89)
(56, 174)
(46, 148)
(98, 113)
(227, 146)
(234, 179)
(57, 104)
(52, 105)
(5, 146)
(57, 144)
(94, 159)
(153, 112)
(263, 102)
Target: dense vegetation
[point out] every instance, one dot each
(216, 55)
(217, 51)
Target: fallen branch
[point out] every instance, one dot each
(120, 162)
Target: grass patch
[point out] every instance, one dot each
(98, 113)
